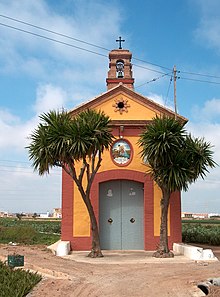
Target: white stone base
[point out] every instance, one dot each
(60, 248)
(194, 252)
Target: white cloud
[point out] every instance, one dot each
(21, 189)
(14, 132)
(48, 98)
(204, 194)
(14, 135)
(157, 98)
(24, 191)
(7, 117)
(80, 73)
(53, 68)
(205, 123)
(211, 133)
(91, 21)
(208, 30)
(160, 100)
(143, 75)
(210, 110)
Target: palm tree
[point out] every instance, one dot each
(175, 160)
(62, 140)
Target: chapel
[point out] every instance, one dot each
(125, 199)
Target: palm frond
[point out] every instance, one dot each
(175, 158)
(60, 138)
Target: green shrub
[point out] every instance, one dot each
(46, 239)
(197, 233)
(40, 226)
(16, 283)
(212, 221)
(26, 235)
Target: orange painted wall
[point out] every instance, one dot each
(81, 222)
(157, 211)
(135, 111)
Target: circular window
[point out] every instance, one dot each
(121, 105)
(121, 152)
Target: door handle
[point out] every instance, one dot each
(132, 220)
(110, 220)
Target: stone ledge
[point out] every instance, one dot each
(60, 248)
(193, 252)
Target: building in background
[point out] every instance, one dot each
(57, 213)
(44, 215)
(193, 215)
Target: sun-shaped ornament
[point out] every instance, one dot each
(121, 105)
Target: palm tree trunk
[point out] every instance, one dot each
(163, 249)
(96, 248)
(163, 224)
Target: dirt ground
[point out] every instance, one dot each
(65, 277)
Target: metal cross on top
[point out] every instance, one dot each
(120, 41)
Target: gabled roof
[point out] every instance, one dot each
(120, 88)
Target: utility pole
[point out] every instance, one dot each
(174, 84)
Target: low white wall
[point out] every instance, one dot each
(194, 252)
(60, 248)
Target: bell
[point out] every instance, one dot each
(120, 74)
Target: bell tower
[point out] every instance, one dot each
(120, 67)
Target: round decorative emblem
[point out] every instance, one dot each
(121, 105)
(121, 152)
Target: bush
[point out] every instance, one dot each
(197, 233)
(40, 226)
(16, 282)
(26, 235)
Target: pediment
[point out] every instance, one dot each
(135, 107)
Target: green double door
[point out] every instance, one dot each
(121, 215)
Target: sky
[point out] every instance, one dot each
(66, 64)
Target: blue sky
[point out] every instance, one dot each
(37, 75)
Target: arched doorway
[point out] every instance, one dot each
(121, 212)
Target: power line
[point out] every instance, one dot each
(152, 80)
(52, 39)
(140, 60)
(15, 161)
(27, 172)
(31, 197)
(94, 45)
(168, 90)
(4, 167)
(71, 45)
(200, 74)
(27, 190)
(53, 32)
(144, 67)
(76, 39)
(18, 167)
(200, 80)
(100, 47)
(15, 166)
